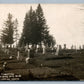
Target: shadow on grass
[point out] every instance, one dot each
(54, 66)
(58, 58)
(54, 78)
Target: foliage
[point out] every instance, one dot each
(7, 32)
(16, 35)
(35, 29)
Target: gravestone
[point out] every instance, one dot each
(6, 50)
(4, 66)
(26, 47)
(37, 46)
(10, 57)
(52, 49)
(30, 46)
(64, 46)
(57, 50)
(18, 55)
(83, 46)
(28, 56)
(43, 47)
(80, 47)
(28, 52)
(27, 60)
(72, 47)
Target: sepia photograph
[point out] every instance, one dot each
(41, 42)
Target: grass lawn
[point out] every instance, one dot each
(47, 67)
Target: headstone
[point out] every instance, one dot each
(10, 57)
(80, 47)
(18, 55)
(30, 46)
(28, 52)
(57, 50)
(41, 65)
(26, 47)
(83, 46)
(52, 49)
(4, 65)
(60, 47)
(6, 50)
(13, 46)
(43, 46)
(64, 46)
(37, 46)
(28, 56)
(27, 60)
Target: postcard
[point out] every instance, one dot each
(41, 42)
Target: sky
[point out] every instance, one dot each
(65, 21)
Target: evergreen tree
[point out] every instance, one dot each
(41, 23)
(7, 32)
(26, 35)
(35, 29)
(50, 41)
(16, 35)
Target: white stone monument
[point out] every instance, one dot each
(52, 50)
(27, 60)
(6, 50)
(30, 46)
(26, 47)
(37, 46)
(57, 50)
(28, 52)
(10, 57)
(18, 55)
(4, 65)
(28, 56)
(43, 47)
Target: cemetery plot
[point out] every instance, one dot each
(46, 66)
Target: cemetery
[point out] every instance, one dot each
(30, 52)
(64, 64)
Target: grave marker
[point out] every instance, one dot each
(57, 50)
(10, 57)
(27, 60)
(18, 55)
(30, 46)
(52, 49)
(37, 46)
(26, 47)
(43, 47)
(28, 56)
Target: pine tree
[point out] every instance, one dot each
(43, 33)
(41, 23)
(7, 32)
(35, 29)
(50, 41)
(26, 35)
(16, 35)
